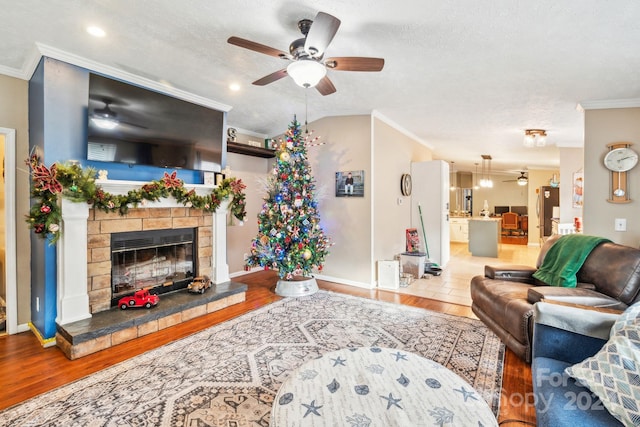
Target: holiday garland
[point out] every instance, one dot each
(77, 184)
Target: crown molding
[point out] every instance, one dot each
(378, 115)
(61, 55)
(608, 103)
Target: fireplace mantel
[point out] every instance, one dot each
(123, 187)
(72, 292)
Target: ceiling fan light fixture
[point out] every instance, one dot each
(522, 180)
(105, 123)
(535, 138)
(306, 72)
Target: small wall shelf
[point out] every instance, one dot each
(234, 147)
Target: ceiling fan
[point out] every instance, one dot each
(521, 180)
(308, 68)
(106, 118)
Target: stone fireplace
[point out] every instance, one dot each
(172, 244)
(85, 283)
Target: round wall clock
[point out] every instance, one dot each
(619, 160)
(405, 184)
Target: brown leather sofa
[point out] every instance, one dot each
(503, 298)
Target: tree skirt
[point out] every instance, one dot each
(230, 373)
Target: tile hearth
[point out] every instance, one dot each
(115, 326)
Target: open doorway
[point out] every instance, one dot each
(8, 286)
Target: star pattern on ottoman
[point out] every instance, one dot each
(311, 408)
(391, 401)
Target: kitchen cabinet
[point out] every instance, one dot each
(459, 229)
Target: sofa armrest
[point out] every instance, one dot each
(512, 273)
(577, 296)
(570, 332)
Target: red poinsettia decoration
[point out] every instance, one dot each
(171, 181)
(45, 178)
(237, 186)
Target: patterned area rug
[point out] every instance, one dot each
(229, 374)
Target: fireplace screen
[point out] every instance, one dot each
(158, 260)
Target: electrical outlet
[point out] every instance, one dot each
(620, 224)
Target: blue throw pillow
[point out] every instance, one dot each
(612, 374)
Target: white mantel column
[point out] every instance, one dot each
(73, 298)
(219, 262)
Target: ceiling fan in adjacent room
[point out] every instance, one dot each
(521, 180)
(308, 68)
(106, 118)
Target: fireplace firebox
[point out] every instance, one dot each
(158, 260)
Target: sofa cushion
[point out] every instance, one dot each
(565, 258)
(560, 401)
(613, 374)
(615, 270)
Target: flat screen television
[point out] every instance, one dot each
(499, 210)
(136, 126)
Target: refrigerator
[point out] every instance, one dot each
(548, 198)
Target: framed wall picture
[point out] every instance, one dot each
(578, 189)
(350, 184)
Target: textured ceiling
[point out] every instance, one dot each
(465, 77)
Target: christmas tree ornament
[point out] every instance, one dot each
(285, 156)
(306, 254)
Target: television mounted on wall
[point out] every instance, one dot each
(136, 126)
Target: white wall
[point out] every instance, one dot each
(346, 220)
(604, 127)
(571, 161)
(393, 153)
(14, 115)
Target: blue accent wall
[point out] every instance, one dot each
(58, 104)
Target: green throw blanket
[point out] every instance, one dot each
(565, 258)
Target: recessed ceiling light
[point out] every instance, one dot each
(234, 87)
(96, 31)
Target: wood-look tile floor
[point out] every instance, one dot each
(453, 283)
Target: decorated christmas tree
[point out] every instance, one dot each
(290, 238)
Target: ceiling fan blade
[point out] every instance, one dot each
(322, 31)
(355, 63)
(257, 47)
(271, 77)
(325, 86)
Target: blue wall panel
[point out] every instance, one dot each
(58, 104)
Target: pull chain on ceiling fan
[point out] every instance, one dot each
(308, 68)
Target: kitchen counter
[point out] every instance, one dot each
(484, 236)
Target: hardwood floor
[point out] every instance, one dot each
(27, 369)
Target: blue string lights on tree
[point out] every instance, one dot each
(290, 238)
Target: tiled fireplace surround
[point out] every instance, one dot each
(84, 270)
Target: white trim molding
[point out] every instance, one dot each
(10, 254)
(378, 115)
(608, 103)
(51, 52)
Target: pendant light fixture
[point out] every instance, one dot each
(486, 181)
